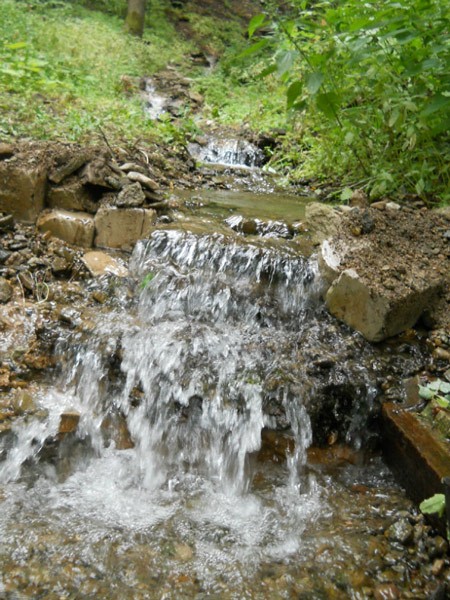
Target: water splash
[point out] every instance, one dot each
(228, 152)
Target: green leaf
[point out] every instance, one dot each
(267, 71)
(293, 92)
(314, 82)
(256, 22)
(328, 104)
(16, 45)
(435, 504)
(425, 392)
(442, 402)
(285, 61)
(436, 103)
(253, 49)
(346, 194)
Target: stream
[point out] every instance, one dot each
(224, 441)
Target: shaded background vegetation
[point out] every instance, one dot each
(354, 93)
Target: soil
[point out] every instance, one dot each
(398, 249)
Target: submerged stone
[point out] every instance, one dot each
(6, 291)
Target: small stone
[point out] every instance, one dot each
(359, 198)
(437, 547)
(183, 552)
(60, 266)
(438, 566)
(441, 354)
(6, 291)
(392, 206)
(70, 316)
(68, 422)
(131, 196)
(23, 402)
(4, 255)
(27, 281)
(6, 222)
(386, 591)
(381, 205)
(401, 531)
(144, 180)
(99, 297)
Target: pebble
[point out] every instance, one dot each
(437, 547)
(6, 291)
(401, 531)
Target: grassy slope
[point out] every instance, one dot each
(67, 70)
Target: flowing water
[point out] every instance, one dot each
(187, 475)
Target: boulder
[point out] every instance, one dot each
(321, 222)
(22, 190)
(100, 263)
(72, 196)
(122, 228)
(72, 227)
(375, 312)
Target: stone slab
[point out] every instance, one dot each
(418, 459)
(122, 228)
(73, 227)
(22, 190)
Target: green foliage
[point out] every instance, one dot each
(62, 69)
(434, 505)
(437, 390)
(372, 83)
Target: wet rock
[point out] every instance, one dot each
(22, 190)
(23, 402)
(70, 316)
(143, 180)
(68, 422)
(131, 196)
(27, 281)
(321, 222)
(61, 267)
(73, 164)
(386, 591)
(72, 196)
(401, 531)
(6, 291)
(376, 315)
(183, 552)
(6, 222)
(99, 174)
(436, 547)
(100, 263)
(122, 228)
(72, 227)
(4, 255)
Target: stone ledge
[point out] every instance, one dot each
(417, 458)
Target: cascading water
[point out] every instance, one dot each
(210, 353)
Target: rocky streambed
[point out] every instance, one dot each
(193, 378)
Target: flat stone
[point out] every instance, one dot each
(72, 227)
(66, 169)
(73, 196)
(417, 457)
(100, 263)
(143, 180)
(22, 190)
(122, 228)
(374, 313)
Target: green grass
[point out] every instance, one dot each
(65, 71)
